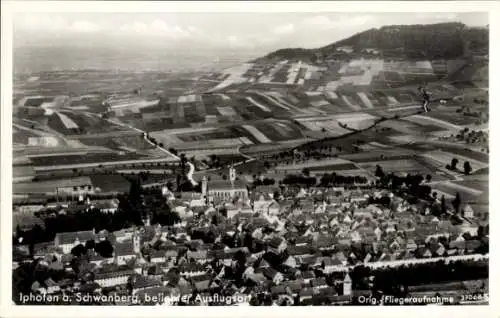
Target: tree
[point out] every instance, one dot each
(135, 192)
(78, 250)
(428, 178)
(90, 244)
(443, 205)
(457, 202)
(467, 168)
(454, 163)
(104, 248)
(306, 172)
(379, 172)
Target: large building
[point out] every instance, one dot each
(224, 190)
(79, 186)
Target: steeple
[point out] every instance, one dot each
(232, 174)
(204, 188)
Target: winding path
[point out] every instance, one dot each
(191, 166)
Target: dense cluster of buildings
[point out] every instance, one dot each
(294, 246)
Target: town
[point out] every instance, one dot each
(305, 177)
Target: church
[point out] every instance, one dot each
(224, 190)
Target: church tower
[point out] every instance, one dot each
(232, 175)
(347, 283)
(136, 241)
(204, 188)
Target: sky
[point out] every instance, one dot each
(237, 31)
(48, 41)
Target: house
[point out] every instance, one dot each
(192, 269)
(98, 260)
(201, 282)
(124, 252)
(299, 250)
(303, 240)
(307, 276)
(239, 207)
(200, 256)
(274, 208)
(305, 294)
(157, 256)
(319, 283)
(52, 287)
(277, 245)
(293, 287)
(106, 206)
(113, 278)
(468, 211)
(139, 283)
(330, 264)
(290, 262)
(325, 243)
(67, 240)
(271, 274)
(123, 235)
(261, 205)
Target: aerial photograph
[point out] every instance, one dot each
(250, 159)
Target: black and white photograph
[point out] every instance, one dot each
(272, 158)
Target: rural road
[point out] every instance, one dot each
(191, 166)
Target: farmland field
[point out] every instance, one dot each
(330, 126)
(20, 136)
(478, 185)
(403, 127)
(279, 131)
(340, 166)
(457, 119)
(427, 127)
(445, 157)
(466, 196)
(258, 135)
(81, 159)
(402, 166)
(110, 183)
(342, 163)
(222, 133)
(427, 120)
(133, 142)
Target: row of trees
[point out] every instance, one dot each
(132, 210)
(333, 179)
(390, 280)
(453, 166)
(411, 183)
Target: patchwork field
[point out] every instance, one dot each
(20, 136)
(337, 167)
(328, 127)
(110, 183)
(444, 158)
(356, 121)
(342, 164)
(279, 131)
(403, 167)
(449, 119)
(450, 190)
(82, 159)
(427, 120)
